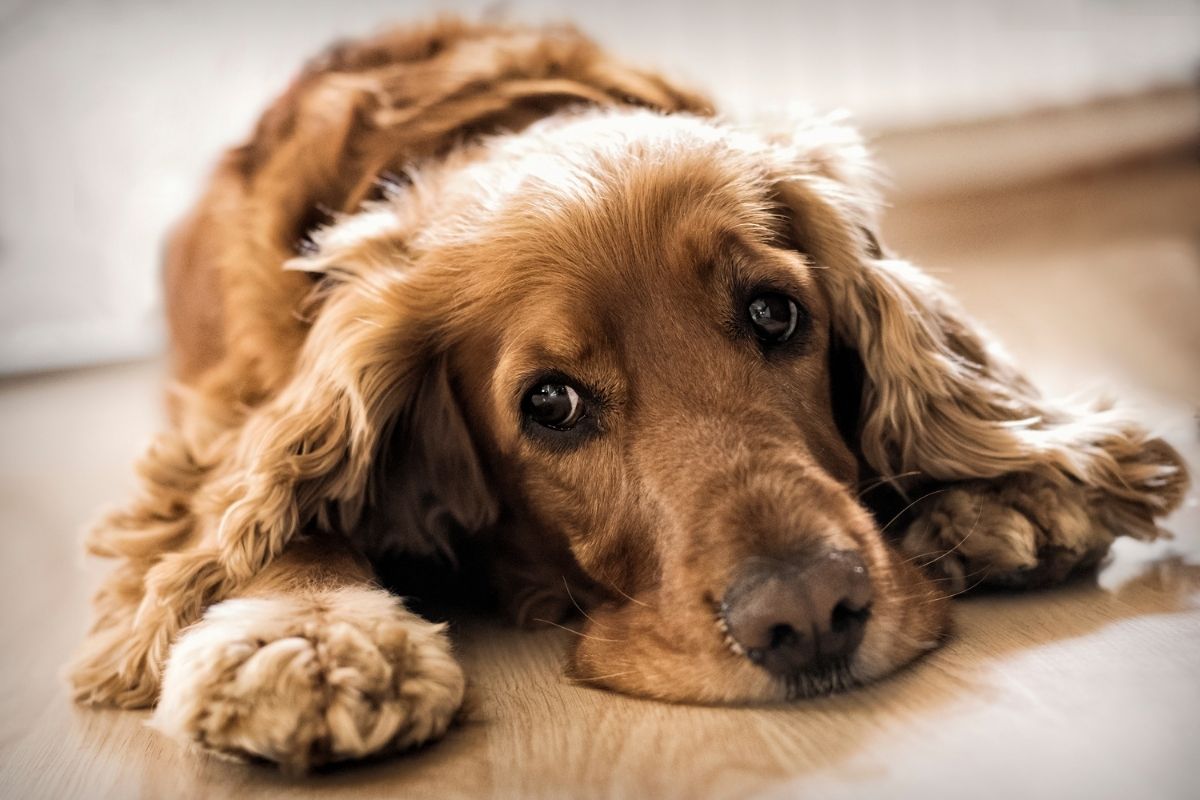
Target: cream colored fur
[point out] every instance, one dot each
(310, 678)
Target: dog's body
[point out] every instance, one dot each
(642, 359)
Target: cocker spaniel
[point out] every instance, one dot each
(480, 288)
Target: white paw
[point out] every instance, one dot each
(1019, 530)
(306, 680)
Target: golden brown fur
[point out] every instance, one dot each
(546, 209)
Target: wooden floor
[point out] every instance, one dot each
(1088, 691)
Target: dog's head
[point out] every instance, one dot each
(676, 345)
(644, 355)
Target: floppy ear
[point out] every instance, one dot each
(369, 418)
(430, 483)
(308, 461)
(938, 398)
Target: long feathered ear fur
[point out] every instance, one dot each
(301, 463)
(939, 398)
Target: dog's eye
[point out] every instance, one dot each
(774, 317)
(554, 405)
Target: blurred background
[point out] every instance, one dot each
(113, 111)
(1044, 159)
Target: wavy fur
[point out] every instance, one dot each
(431, 217)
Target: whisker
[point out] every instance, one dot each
(964, 591)
(875, 484)
(905, 599)
(577, 633)
(605, 677)
(974, 525)
(954, 578)
(910, 505)
(631, 599)
(578, 607)
(924, 596)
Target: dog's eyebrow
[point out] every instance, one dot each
(711, 252)
(567, 357)
(751, 268)
(738, 252)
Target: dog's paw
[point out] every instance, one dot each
(1016, 531)
(311, 679)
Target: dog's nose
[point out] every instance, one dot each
(790, 617)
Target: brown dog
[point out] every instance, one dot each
(488, 287)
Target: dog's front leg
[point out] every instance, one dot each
(1025, 530)
(310, 663)
(1018, 531)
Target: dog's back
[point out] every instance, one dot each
(356, 116)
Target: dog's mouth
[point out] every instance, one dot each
(745, 639)
(822, 682)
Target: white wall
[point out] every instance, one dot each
(112, 110)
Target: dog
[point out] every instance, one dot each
(477, 288)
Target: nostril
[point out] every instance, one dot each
(846, 617)
(782, 635)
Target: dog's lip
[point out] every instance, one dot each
(831, 679)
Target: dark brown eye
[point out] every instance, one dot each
(774, 317)
(553, 405)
